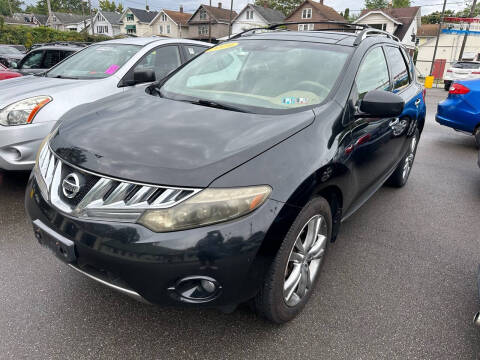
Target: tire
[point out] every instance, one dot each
(400, 176)
(477, 136)
(447, 85)
(272, 301)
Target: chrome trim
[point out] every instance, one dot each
(128, 292)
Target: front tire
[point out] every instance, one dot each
(477, 136)
(290, 281)
(400, 176)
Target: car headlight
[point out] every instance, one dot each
(23, 112)
(210, 206)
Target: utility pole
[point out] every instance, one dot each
(210, 25)
(472, 14)
(438, 35)
(83, 16)
(230, 23)
(10, 6)
(91, 16)
(49, 7)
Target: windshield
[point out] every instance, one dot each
(95, 62)
(466, 65)
(10, 50)
(254, 74)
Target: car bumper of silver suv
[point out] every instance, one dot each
(19, 144)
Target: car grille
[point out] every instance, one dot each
(99, 196)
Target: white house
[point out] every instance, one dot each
(171, 23)
(107, 23)
(253, 16)
(137, 22)
(401, 22)
(67, 21)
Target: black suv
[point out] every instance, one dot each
(227, 181)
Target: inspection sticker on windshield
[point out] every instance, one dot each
(222, 47)
(294, 100)
(112, 69)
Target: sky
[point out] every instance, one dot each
(428, 6)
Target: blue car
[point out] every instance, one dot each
(461, 110)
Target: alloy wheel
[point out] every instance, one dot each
(305, 259)
(407, 166)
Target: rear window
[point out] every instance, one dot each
(466, 65)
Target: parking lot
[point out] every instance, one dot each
(399, 283)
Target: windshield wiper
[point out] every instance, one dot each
(216, 105)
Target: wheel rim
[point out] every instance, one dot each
(407, 166)
(304, 260)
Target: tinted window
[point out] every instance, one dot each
(52, 57)
(32, 60)
(398, 67)
(373, 73)
(162, 60)
(193, 50)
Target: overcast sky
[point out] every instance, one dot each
(428, 6)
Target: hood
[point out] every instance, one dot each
(27, 86)
(12, 56)
(138, 137)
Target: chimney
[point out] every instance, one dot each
(219, 5)
(181, 8)
(147, 7)
(321, 2)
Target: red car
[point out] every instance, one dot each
(7, 74)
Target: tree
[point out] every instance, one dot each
(5, 7)
(434, 18)
(346, 14)
(106, 5)
(401, 3)
(285, 6)
(68, 6)
(376, 4)
(120, 8)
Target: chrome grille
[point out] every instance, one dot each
(104, 198)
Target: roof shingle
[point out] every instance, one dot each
(144, 16)
(180, 18)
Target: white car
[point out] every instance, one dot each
(31, 105)
(461, 70)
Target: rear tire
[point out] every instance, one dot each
(292, 276)
(447, 85)
(400, 176)
(477, 136)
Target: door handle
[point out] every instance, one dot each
(418, 102)
(394, 122)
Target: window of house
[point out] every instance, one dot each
(307, 13)
(398, 68)
(305, 27)
(131, 31)
(203, 15)
(129, 17)
(100, 18)
(249, 14)
(102, 29)
(168, 29)
(164, 17)
(379, 26)
(203, 30)
(160, 29)
(373, 73)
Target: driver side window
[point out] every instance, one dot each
(32, 61)
(162, 60)
(373, 73)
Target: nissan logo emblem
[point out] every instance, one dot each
(71, 185)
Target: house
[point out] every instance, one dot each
(401, 22)
(67, 21)
(311, 10)
(26, 19)
(426, 32)
(171, 23)
(107, 23)
(206, 17)
(253, 16)
(137, 22)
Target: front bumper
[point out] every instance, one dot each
(19, 144)
(150, 264)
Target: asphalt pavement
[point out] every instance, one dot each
(399, 283)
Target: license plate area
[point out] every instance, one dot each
(63, 248)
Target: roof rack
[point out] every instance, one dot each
(61, 43)
(366, 30)
(347, 26)
(363, 35)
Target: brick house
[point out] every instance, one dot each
(311, 10)
(217, 17)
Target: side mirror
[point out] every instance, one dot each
(381, 104)
(13, 65)
(143, 76)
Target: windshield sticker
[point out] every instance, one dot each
(191, 51)
(112, 69)
(222, 47)
(294, 100)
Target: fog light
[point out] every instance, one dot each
(196, 289)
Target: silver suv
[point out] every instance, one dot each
(31, 105)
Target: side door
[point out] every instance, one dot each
(32, 62)
(162, 60)
(372, 151)
(405, 87)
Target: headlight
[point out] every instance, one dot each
(23, 112)
(207, 207)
